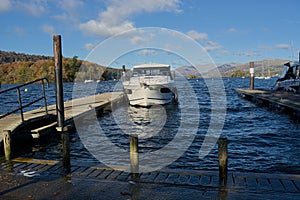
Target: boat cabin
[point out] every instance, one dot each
(290, 78)
(151, 70)
(290, 71)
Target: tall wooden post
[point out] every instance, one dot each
(134, 164)
(60, 111)
(123, 75)
(134, 156)
(58, 80)
(7, 144)
(223, 159)
(66, 151)
(251, 75)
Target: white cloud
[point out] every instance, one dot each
(146, 52)
(63, 17)
(70, 8)
(247, 54)
(266, 48)
(231, 30)
(104, 29)
(225, 52)
(19, 30)
(211, 46)
(203, 39)
(274, 47)
(282, 46)
(32, 7)
(172, 48)
(89, 46)
(266, 30)
(48, 29)
(71, 5)
(137, 40)
(197, 36)
(116, 18)
(5, 5)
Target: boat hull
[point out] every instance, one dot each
(148, 96)
(150, 84)
(289, 85)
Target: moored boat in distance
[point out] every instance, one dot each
(150, 84)
(289, 79)
(88, 81)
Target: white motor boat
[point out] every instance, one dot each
(289, 79)
(150, 84)
(89, 81)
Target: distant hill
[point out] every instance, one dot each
(10, 57)
(22, 68)
(262, 68)
(269, 67)
(186, 71)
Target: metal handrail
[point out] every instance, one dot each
(20, 98)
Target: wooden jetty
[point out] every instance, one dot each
(276, 99)
(247, 182)
(73, 109)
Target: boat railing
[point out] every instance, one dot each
(21, 106)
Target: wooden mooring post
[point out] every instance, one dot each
(7, 140)
(58, 80)
(134, 156)
(65, 138)
(251, 75)
(60, 110)
(223, 159)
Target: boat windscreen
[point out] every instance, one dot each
(284, 71)
(151, 72)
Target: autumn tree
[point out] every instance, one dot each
(238, 73)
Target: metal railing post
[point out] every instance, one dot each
(20, 99)
(20, 104)
(44, 96)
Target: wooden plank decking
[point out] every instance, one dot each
(250, 182)
(74, 108)
(276, 98)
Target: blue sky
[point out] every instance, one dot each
(230, 31)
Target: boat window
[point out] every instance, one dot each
(284, 71)
(152, 72)
(156, 72)
(290, 73)
(165, 90)
(138, 72)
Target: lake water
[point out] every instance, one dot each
(260, 139)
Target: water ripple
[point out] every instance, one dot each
(259, 140)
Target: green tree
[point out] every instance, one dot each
(74, 67)
(238, 73)
(24, 72)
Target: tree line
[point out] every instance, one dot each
(10, 57)
(25, 68)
